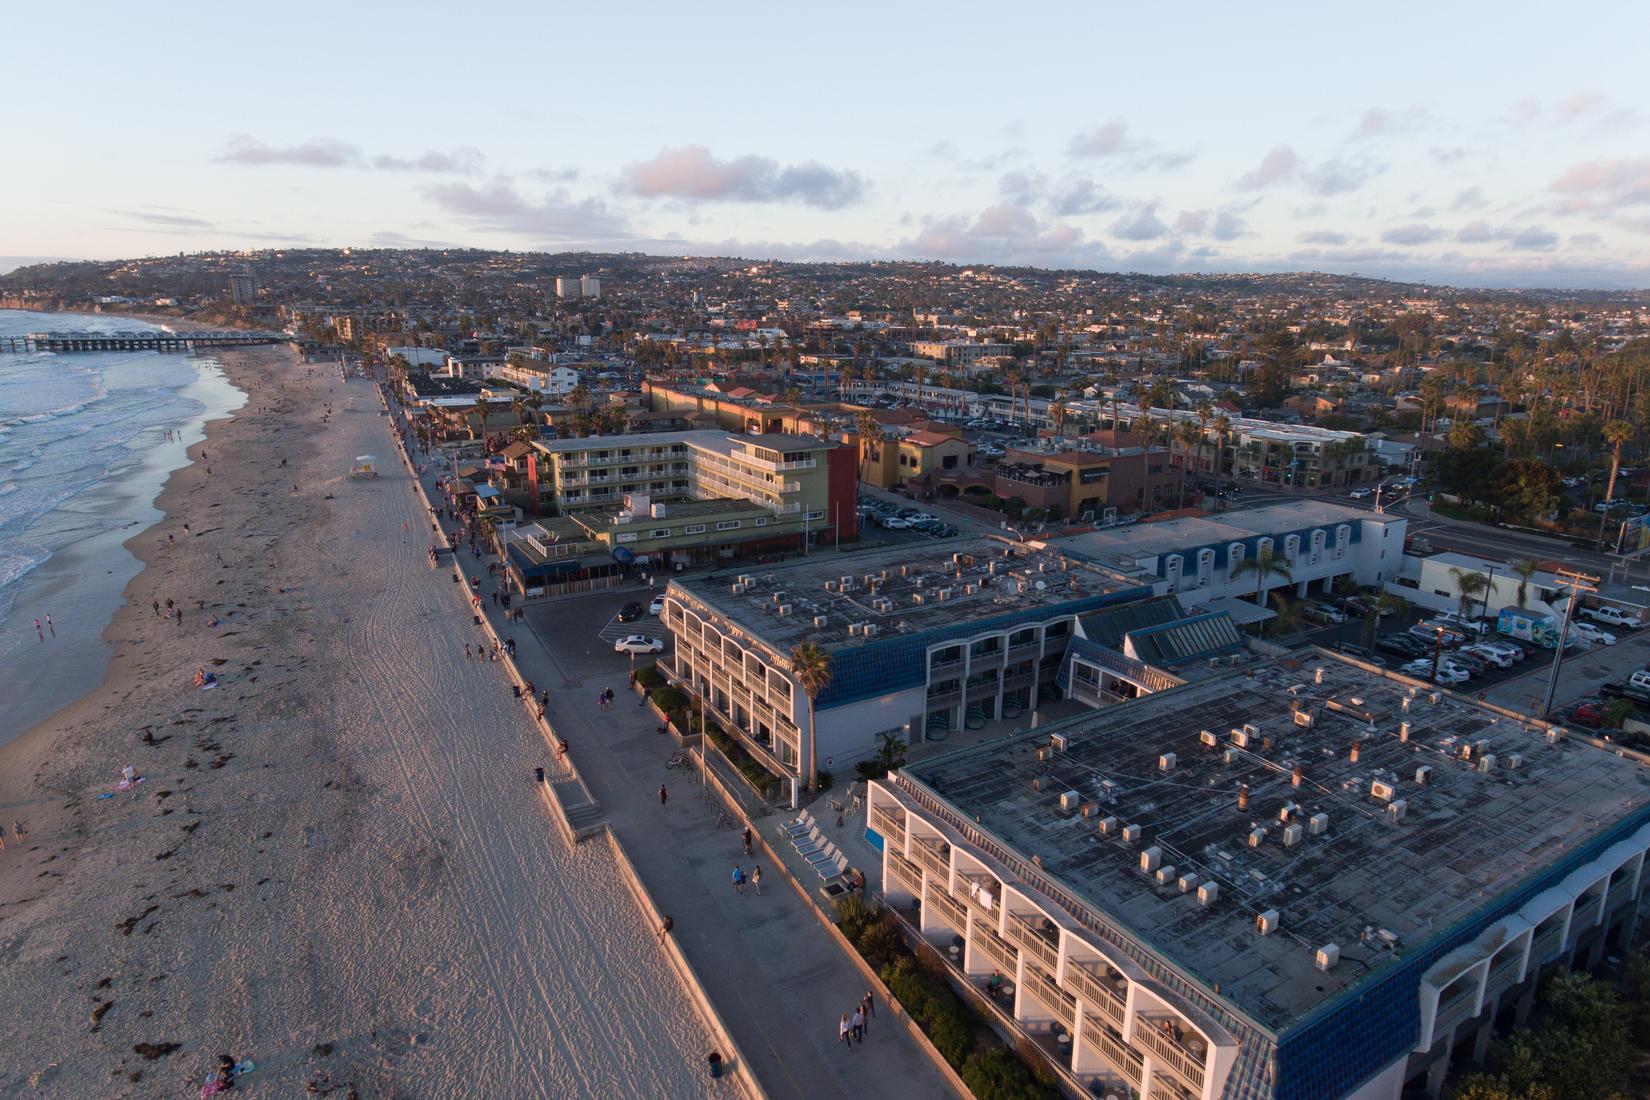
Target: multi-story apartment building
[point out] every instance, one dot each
(953, 633)
(539, 375)
(959, 352)
(1291, 883)
(1087, 481)
(1201, 558)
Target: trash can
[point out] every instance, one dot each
(715, 1061)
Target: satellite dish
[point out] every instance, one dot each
(1041, 585)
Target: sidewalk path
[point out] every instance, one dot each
(778, 980)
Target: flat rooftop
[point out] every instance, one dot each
(900, 590)
(1123, 546)
(1378, 888)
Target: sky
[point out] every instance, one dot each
(1500, 144)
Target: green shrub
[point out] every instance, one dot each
(650, 678)
(670, 699)
(853, 916)
(881, 942)
(996, 1074)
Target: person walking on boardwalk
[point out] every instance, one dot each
(756, 878)
(738, 880)
(858, 1022)
(868, 1005)
(664, 796)
(747, 838)
(845, 1032)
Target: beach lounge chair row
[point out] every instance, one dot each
(827, 860)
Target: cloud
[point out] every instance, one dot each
(557, 217)
(1277, 165)
(1535, 238)
(1585, 240)
(161, 218)
(1002, 233)
(691, 172)
(1221, 225)
(1079, 195)
(1112, 139)
(1472, 198)
(1339, 177)
(1142, 224)
(315, 153)
(1449, 154)
(463, 160)
(1606, 184)
(1323, 236)
(1577, 105)
(1191, 222)
(1021, 187)
(1228, 227)
(1413, 234)
(1475, 232)
(1379, 122)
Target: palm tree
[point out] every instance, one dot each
(811, 666)
(871, 439)
(1013, 380)
(1190, 435)
(1524, 569)
(1267, 563)
(1470, 586)
(1289, 613)
(1616, 433)
(1223, 432)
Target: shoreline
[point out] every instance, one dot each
(85, 563)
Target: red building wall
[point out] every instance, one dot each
(841, 492)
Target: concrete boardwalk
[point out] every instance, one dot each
(778, 979)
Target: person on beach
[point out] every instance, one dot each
(49, 625)
(156, 605)
(664, 796)
(664, 928)
(466, 651)
(38, 631)
(544, 698)
(756, 878)
(18, 831)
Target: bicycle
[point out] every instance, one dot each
(676, 760)
(723, 818)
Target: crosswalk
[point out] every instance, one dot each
(614, 630)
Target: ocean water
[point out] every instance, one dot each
(83, 454)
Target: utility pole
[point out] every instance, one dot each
(1579, 584)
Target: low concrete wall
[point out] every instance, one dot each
(734, 1062)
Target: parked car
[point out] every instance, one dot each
(1611, 616)
(1402, 644)
(657, 607)
(1472, 662)
(1367, 656)
(1495, 656)
(1449, 674)
(1596, 635)
(638, 643)
(1590, 715)
(1428, 631)
(630, 612)
(1325, 613)
(1457, 621)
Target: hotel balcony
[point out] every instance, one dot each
(934, 860)
(1105, 995)
(1041, 984)
(1184, 1057)
(1123, 1059)
(891, 827)
(1454, 1008)
(1040, 946)
(998, 950)
(940, 903)
(1586, 915)
(907, 874)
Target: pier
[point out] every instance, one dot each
(136, 341)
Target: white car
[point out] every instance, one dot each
(1496, 656)
(638, 643)
(657, 607)
(1593, 634)
(1360, 494)
(1447, 673)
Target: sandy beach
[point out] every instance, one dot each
(336, 863)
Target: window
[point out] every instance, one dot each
(694, 529)
(661, 533)
(727, 524)
(761, 521)
(626, 536)
(817, 515)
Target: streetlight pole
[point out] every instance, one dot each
(1579, 583)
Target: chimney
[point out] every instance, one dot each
(1295, 776)
(1354, 752)
(1243, 796)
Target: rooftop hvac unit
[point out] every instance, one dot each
(1069, 801)
(1395, 810)
(1403, 731)
(944, 593)
(1383, 791)
(970, 589)
(1166, 762)
(1108, 790)
(1292, 834)
(1252, 729)
(1328, 955)
(1037, 783)
(784, 609)
(847, 583)
(1435, 698)
(1131, 833)
(1150, 858)
(1486, 763)
(1556, 734)
(1208, 738)
(1058, 742)
(1229, 756)
(1403, 704)
(1318, 824)
(1257, 837)
(1303, 718)
(869, 629)
(870, 579)
(1108, 826)
(830, 586)
(1208, 894)
(736, 589)
(1423, 774)
(1266, 923)
(1514, 761)
(1164, 875)
(1187, 882)
(905, 570)
(1044, 754)
(820, 620)
(1240, 738)
(1088, 810)
(1317, 675)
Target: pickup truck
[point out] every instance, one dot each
(1636, 687)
